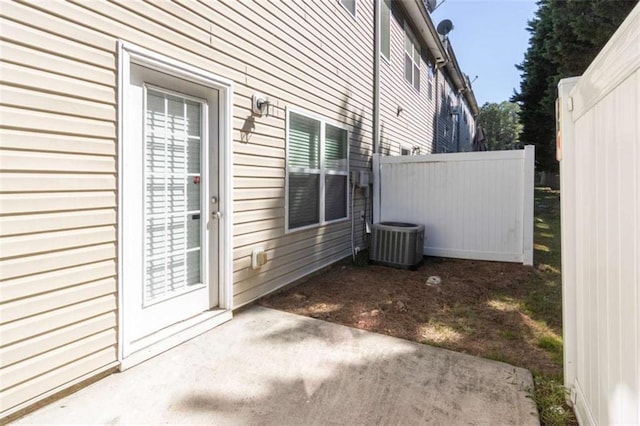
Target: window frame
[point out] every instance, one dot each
(355, 8)
(322, 171)
(430, 77)
(387, 4)
(409, 35)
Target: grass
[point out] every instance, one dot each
(544, 305)
(550, 396)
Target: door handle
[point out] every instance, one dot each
(216, 215)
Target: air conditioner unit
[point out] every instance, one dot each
(397, 244)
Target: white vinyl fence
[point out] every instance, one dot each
(599, 118)
(474, 205)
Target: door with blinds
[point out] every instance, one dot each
(170, 189)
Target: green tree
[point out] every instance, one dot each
(501, 125)
(566, 35)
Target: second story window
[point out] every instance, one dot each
(350, 5)
(411, 59)
(385, 29)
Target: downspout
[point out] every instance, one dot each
(376, 100)
(437, 127)
(376, 118)
(376, 77)
(458, 122)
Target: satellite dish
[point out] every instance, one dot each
(445, 27)
(431, 5)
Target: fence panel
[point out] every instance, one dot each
(476, 205)
(600, 183)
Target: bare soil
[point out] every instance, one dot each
(479, 308)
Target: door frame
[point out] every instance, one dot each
(128, 54)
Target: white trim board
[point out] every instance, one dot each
(128, 54)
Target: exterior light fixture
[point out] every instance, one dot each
(260, 104)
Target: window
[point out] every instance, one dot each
(350, 5)
(411, 59)
(409, 150)
(317, 171)
(172, 193)
(385, 29)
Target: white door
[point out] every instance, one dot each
(170, 198)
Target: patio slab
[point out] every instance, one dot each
(271, 367)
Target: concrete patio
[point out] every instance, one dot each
(271, 367)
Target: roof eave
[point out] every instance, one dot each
(421, 20)
(419, 15)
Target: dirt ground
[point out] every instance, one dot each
(478, 308)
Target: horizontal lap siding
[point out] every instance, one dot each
(413, 126)
(58, 209)
(445, 122)
(58, 170)
(317, 47)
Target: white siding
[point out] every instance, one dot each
(414, 125)
(601, 231)
(473, 205)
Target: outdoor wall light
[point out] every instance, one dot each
(400, 109)
(260, 104)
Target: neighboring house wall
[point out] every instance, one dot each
(406, 113)
(466, 127)
(600, 159)
(59, 144)
(454, 133)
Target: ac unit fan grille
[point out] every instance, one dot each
(397, 244)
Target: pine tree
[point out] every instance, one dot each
(566, 35)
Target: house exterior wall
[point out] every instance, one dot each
(466, 126)
(58, 202)
(413, 126)
(59, 158)
(454, 133)
(59, 162)
(600, 159)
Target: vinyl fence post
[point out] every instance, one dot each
(527, 220)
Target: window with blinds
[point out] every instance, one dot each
(317, 171)
(173, 134)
